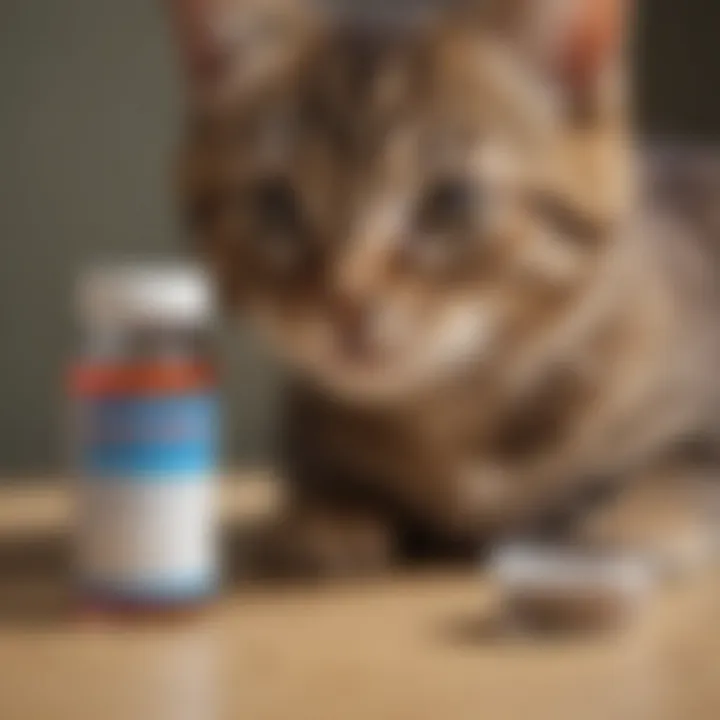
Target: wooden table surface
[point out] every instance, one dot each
(411, 647)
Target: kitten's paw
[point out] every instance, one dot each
(316, 544)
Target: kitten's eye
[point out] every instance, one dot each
(443, 225)
(280, 228)
(275, 204)
(447, 204)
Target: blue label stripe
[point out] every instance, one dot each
(149, 438)
(160, 467)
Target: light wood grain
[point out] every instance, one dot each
(413, 647)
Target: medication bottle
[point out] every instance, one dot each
(145, 439)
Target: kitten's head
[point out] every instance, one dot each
(388, 205)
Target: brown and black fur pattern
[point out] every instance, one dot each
(485, 322)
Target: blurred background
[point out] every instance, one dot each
(90, 110)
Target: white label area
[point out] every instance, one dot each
(152, 537)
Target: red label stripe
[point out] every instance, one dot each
(147, 378)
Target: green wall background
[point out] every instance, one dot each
(88, 121)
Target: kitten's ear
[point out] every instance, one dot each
(195, 27)
(576, 40)
(228, 45)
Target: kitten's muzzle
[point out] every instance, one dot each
(353, 326)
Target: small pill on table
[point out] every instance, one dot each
(559, 588)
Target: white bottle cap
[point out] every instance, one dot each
(126, 295)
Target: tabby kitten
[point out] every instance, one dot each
(437, 225)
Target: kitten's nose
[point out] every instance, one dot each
(353, 328)
(355, 295)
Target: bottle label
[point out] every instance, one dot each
(149, 439)
(146, 515)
